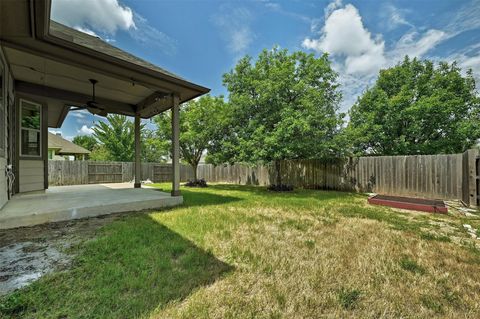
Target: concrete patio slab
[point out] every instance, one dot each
(73, 202)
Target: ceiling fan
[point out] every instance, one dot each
(92, 106)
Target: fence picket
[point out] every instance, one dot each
(431, 176)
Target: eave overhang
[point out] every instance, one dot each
(43, 42)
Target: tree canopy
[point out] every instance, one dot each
(282, 106)
(199, 123)
(117, 141)
(416, 107)
(86, 141)
(117, 136)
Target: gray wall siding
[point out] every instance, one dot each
(8, 91)
(31, 175)
(3, 183)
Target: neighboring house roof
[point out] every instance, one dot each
(64, 146)
(97, 44)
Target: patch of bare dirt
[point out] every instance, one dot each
(27, 253)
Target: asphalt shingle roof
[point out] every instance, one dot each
(65, 146)
(97, 44)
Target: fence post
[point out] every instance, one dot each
(470, 192)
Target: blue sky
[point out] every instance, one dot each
(202, 40)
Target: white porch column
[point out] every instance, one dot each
(138, 167)
(176, 146)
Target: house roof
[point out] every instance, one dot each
(97, 44)
(53, 64)
(64, 146)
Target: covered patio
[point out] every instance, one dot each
(62, 203)
(51, 70)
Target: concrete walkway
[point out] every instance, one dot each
(72, 202)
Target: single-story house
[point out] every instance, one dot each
(61, 149)
(48, 70)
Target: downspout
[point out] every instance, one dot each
(10, 180)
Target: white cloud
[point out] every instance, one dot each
(85, 130)
(471, 63)
(357, 55)
(147, 35)
(277, 8)
(234, 25)
(106, 15)
(467, 58)
(345, 35)
(271, 4)
(55, 131)
(415, 45)
(332, 6)
(80, 114)
(87, 31)
(59, 132)
(394, 17)
(240, 39)
(466, 18)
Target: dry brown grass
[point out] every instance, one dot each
(243, 252)
(311, 262)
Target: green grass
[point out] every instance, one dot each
(348, 298)
(243, 252)
(410, 265)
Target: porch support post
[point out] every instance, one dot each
(176, 146)
(138, 167)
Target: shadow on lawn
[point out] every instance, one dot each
(296, 193)
(203, 198)
(135, 266)
(194, 196)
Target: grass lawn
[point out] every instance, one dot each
(243, 252)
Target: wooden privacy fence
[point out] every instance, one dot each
(95, 172)
(454, 176)
(430, 176)
(237, 173)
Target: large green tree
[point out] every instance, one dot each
(416, 107)
(117, 141)
(117, 137)
(199, 124)
(86, 141)
(154, 148)
(100, 153)
(281, 106)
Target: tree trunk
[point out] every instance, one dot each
(279, 174)
(194, 167)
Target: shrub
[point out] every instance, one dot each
(197, 183)
(280, 188)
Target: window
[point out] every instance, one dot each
(50, 154)
(30, 129)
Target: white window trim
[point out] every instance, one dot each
(30, 129)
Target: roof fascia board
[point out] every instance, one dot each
(42, 23)
(62, 116)
(139, 70)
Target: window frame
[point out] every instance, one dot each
(21, 128)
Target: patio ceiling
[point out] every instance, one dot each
(54, 63)
(61, 85)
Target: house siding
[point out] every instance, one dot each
(7, 92)
(3, 184)
(32, 172)
(31, 175)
